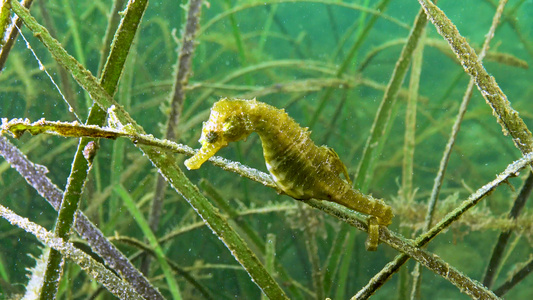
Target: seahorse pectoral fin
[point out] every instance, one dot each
(207, 150)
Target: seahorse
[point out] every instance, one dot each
(299, 168)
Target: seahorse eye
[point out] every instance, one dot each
(212, 137)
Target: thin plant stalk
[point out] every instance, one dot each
(181, 186)
(95, 269)
(66, 85)
(148, 233)
(5, 20)
(406, 191)
(506, 116)
(511, 19)
(451, 141)
(36, 177)
(270, 255)
(250, 233)
(112, 24)
(517, 277)
(332, 263)
(238, 37)
(361, 36)
(381, 277)
(177, 100)
(347, 266)
(166, 164)
(76, 39)
(81, 163)
(365, 169)
(503, 238)
(10, 37)
(410, 124)
(249, 5)
(309, 229)
(396, 241)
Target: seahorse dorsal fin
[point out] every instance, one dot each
(336, 163)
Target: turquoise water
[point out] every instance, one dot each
(328, 64)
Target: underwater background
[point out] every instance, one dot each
(341, 68)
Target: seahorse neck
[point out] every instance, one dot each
(265, 119)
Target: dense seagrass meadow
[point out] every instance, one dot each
(426, 103)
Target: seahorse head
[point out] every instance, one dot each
(228, 122)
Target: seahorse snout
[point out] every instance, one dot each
(207, 150)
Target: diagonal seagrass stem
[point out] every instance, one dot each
(451, 142)
(396, 241)
(36, 177)
(506, 116)
(95, 269)
(383, 115)
(183, 72)
(10, 37)
(191, 210)
(81, 166)
(503, 238)
(163, 162)
(423, 239)
(517, 277)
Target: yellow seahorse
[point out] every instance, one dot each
(299, 168)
